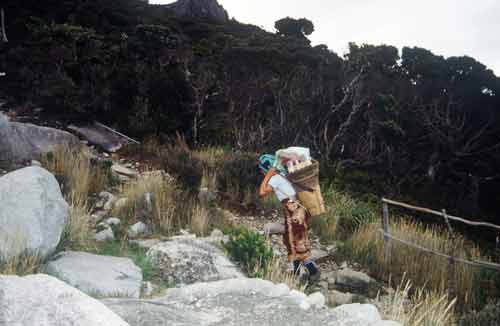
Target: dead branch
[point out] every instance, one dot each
(4, 33)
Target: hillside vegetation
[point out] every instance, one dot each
(391, 123)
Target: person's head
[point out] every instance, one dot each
(292, 205)
(266, 162)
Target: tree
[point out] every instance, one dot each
(294, 27)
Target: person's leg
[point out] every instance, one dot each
(314, 272)
(296, 267)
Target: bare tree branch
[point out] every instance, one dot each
(4, 33)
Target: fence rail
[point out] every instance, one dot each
(430, 211)
(451, 257)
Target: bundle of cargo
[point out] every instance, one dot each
(303, 172)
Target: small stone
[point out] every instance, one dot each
(323, 284)
(216, 233)
(338, 298)
(304, 305)
(145, 244)
(113, 221)
(98, 215)
(105, 235)
(148, 289)
(137, 230)
(124, 171)
(316, 300)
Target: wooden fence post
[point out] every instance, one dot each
(451, 262)
(385, 225)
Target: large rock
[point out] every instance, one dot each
(239, 302)
(200, 9)
(187, 260)
(353, 280)
(99, 136)
(41, 300)
(25, 141)
(33, 213)
(102, 276)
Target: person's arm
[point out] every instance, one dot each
(265, 189)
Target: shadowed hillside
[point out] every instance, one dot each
(412, 123)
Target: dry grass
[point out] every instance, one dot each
(22, 265)
(343, 216)
(211, 156)
(276, 272)
(80, 177)
(423, 309)
(165, 211)
(367, 247)
(200, 220)
(78, 232)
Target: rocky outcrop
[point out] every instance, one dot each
(33, 213)
(186, 260)
(241, 302)
(99, 136)
(200, 9)
(41, 300)
(25, 141)
(101, 276)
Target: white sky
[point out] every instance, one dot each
(446, 27)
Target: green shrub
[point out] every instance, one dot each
(249, 249)
(488, 316)
(186, 168)
(343, 217)
(238, 176)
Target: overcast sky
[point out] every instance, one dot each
(446, 27)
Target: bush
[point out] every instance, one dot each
(343, 217)
(488, 316)
(185, 167)
(238, 172)
(250, 250)
(169, 207)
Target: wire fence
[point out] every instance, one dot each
(388, 237)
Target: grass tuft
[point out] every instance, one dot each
(367, 247)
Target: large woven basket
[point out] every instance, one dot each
(306, 182)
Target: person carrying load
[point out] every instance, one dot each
(296, 217)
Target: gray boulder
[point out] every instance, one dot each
(41, 300)
(337, 298)
(240, 302)
(138, 229)
(353, 280)
(33, 213)
(99, 136)
(105, 235)
(200, 9)
(102, 276)
(25, 141)
(187, 260)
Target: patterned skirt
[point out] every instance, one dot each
(296, 237)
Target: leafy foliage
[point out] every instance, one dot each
(249, 248)
(294, 27)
